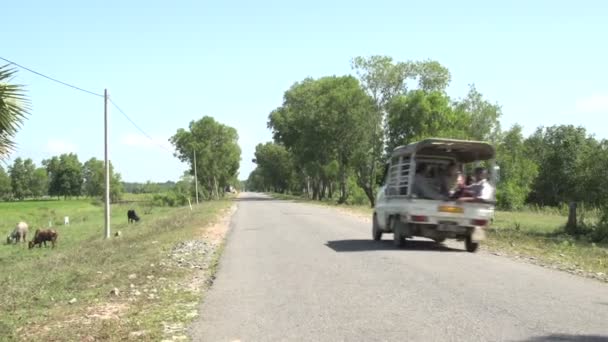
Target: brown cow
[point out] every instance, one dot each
(42, 236)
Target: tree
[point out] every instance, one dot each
(316, 119)
(517, 170)
(93, 172)
(563, 154)
(275, 165)
(382, 79)
(14, 108)
(482, 115)
(65, 175)
(419, 115)
(217, 153)
(5, 185)
(21, 177)
(432, 76)
(39, 183)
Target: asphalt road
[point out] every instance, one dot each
(297, 272)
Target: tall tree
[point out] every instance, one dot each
(22, 172)
(217, 153)
(275, 164)
(39, 183)
(65, 175)
(5, 185)
(432, 76)
(315, 121)
(421, 114)
(562, 153)
(94, 180)
(517, 170)
(14, 108)
(482, 115)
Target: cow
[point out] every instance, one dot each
(18, 234)
(42, 236)
(132, 216)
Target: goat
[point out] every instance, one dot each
(132, 216)
(18, 234)
(42, 236)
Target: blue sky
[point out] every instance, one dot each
(167, 63)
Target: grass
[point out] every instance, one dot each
(534, 232)
(38, 284)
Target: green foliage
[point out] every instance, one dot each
(482, 116)
(421, 114)
(316, 119)
(599, 232)
(93, 171)
(5, 185)
(518, 171)
(39, 183)
(275, 165)
(217, 153)
(65, 175)
(564, 154)
(170, 199)
(26, 180)
(14, 108)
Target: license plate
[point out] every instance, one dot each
(449, 228)
(450, 209)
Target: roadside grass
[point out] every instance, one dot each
(530, 233)
(39, 284)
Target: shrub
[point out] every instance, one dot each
(599, 232)
(170, 199)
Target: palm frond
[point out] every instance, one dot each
(14, 108)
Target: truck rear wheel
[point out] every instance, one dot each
(376, 232)
(470, 245)
(398, 238)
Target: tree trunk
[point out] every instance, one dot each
(343, 195)
(331, 190)
(322, 193)
(571, 226)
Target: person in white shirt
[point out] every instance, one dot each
(481, 189)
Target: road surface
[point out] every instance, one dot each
(297, 272)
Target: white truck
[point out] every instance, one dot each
(401, 209)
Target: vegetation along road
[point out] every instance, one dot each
(294, 271)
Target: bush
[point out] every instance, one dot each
(170, 199)
(599, 232)
(510, 196)
(356, 195)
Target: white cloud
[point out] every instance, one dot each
(56, 146)
(139, 140)
(596, 103)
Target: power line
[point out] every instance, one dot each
(136, 126)
(50, 78)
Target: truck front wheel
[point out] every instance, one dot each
(376, 232)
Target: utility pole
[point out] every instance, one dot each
(107, 164)
(195, 177)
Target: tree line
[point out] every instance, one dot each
(332, 135)
(60, 176)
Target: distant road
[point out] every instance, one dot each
(297, 272)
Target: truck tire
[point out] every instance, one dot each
(398, 238)
(471, 246)
(376, 232)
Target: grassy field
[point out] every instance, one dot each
(66, 293)
(528, 234)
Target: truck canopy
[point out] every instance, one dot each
(464, 151)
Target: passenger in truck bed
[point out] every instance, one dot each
(423, 184)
